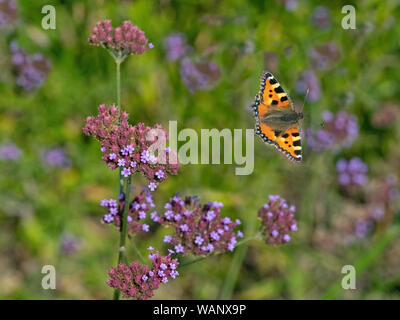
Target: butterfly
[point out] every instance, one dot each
(277, 122)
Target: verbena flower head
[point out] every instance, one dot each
(55, 157)
(200, 75)
(132, 148)
(31, 70)
(138, 281)
(70, 244)
(351, 172)
(290, 5)
(277, 220)
(308, 80)
(199, 229)
(9, 151)
(386, 189)
(138, 211)
(339, 130)
(386, 115)
(122, 41)
(324, 56)
(321, 17)
(176, 46)
(8, 13)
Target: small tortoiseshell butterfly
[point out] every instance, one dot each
(277, 122)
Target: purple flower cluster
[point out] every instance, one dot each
(321, 17)
(309, 81)
(290, 5)
(340, 130)
(55, 157)
(32, 70)
(10, 152)
(138, 210)
(352, 172)
(383, 193)
(70, 244)
(8, 13)
(199, 229)
(277, 220)
(386, 115)
(324, 56)
(122, 41)
(176, 46)
(137, 281)
(195, 73)
(128, 147)
(199, 75)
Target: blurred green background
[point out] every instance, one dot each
(50, 213)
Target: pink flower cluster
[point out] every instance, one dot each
(126, 39)
(138, 210)
(137, 281)
(277, 220)
(127, 147)
(199, 230)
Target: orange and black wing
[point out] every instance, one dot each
(271, 94)
(289, 142)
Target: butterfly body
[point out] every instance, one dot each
(277, 122)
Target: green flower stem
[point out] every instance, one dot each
(121, 181)
(118, 63)
(124, 218)
(236, 264)
(124, 224)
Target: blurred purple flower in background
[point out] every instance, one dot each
(176, 46)
(324, 56)
(382, 195)
(277, 220)
(308, 80)
(8, 13)
(9, 151)
(32, 70)
(321, 17)
(352, 172)
(362, 227)
(340, 130)
(201, 75)
(55, 157)
(290, 5)
(385, 115)
(70, 244)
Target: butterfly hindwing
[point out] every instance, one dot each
(265, 133)
(290, 143)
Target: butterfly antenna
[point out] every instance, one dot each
(305, 98)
